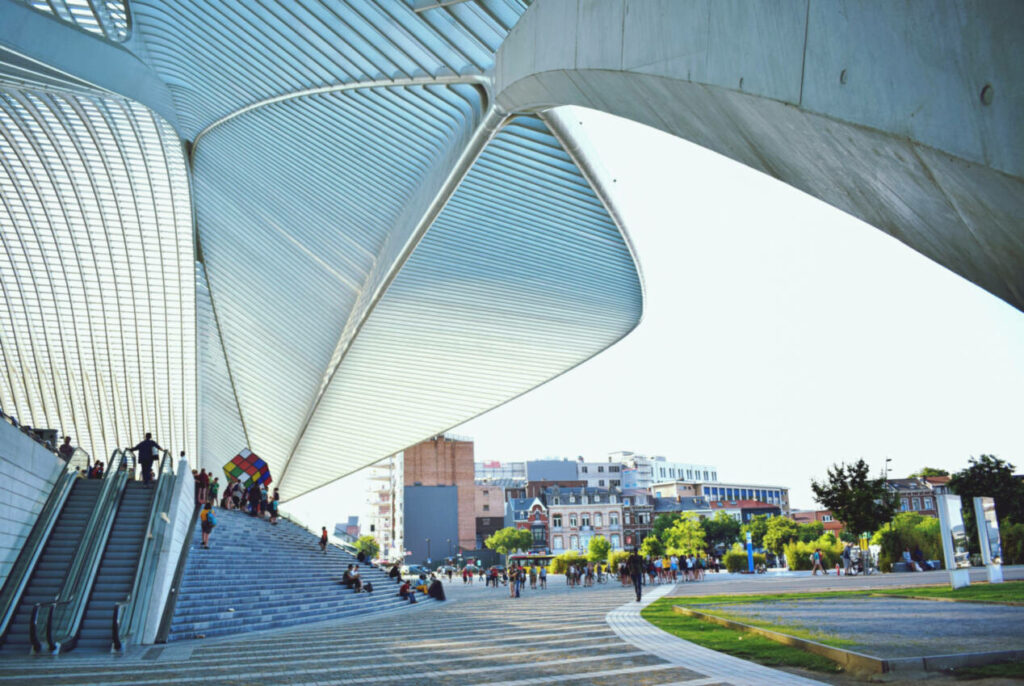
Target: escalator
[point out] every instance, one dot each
(117, 570)
(85, 575)
(54, 563)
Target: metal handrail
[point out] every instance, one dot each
(62, 625)
(137, 600)
(32, 548)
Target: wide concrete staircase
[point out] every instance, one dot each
(259, 576)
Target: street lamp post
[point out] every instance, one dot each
(449, 549)
(428, 551)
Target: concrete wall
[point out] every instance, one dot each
(28, 472)
(432, 512)
(180, 516)
(874, 108)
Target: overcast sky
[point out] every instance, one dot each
(780, 336)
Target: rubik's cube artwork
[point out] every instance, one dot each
(248, 468)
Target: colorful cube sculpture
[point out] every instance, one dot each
(248, 468)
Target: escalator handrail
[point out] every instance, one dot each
(65, 617)
(32, 548)
(172, 597)
(136, 603)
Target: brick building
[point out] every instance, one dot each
(445, 461)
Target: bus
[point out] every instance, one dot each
(530, 559)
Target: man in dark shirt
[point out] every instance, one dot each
(66, 450)
(146, 453)
(635, 567)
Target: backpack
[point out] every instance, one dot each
(207, 516)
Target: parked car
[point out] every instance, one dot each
(414, 570)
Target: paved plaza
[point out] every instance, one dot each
(479, 636)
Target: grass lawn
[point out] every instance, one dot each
(738, 643)
(1007, 592)
(1003, 670)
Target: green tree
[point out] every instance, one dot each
(509, 540)
(757, 526)
(779, 532)
(367, 544)
(860, 502)
(663, 522)
(686, 537)
(652, 547)
(598, 549)
(929, 471)
(722, 530)
(810, 531)
(990, 476)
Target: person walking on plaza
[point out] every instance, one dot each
(146, 452)
(543, 576)
(847, 561)
(635, 567)
(816, 563)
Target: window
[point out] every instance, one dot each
(657, 494)
(486, 492)
(583, 469)
(705, 475)
(928, 503)
(598, 519)
(555, 501)
(538, 536)
(826, 518)
(915, 503)
(613, 518)
(556, 542)
(903, 505)
(613, 468)
(585, 519)
(485, 521)
(689, 473)
(574, 542)
(615, 541)
(625, 501)
(627, 515)
(600, 482)
(556, 520)
(614, 498)
(714, 476)
(614, 482)
(600, 468)
(572, 499)
(662, 472)
(487, 508)
(572, 519)
(584, 500)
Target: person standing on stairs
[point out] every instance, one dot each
(208, 522)
(146, 452)
(323, 540)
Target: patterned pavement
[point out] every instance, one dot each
(479, 636)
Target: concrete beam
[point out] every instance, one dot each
(905, 115)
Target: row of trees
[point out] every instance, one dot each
(863, 503)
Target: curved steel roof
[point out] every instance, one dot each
(373, 254)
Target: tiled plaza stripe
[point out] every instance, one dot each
(230, 661)
(421, 676)
(699, 681)
(627, 623)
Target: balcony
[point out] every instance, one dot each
(613, 527)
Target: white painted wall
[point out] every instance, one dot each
(28, 472)
(180, 515)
